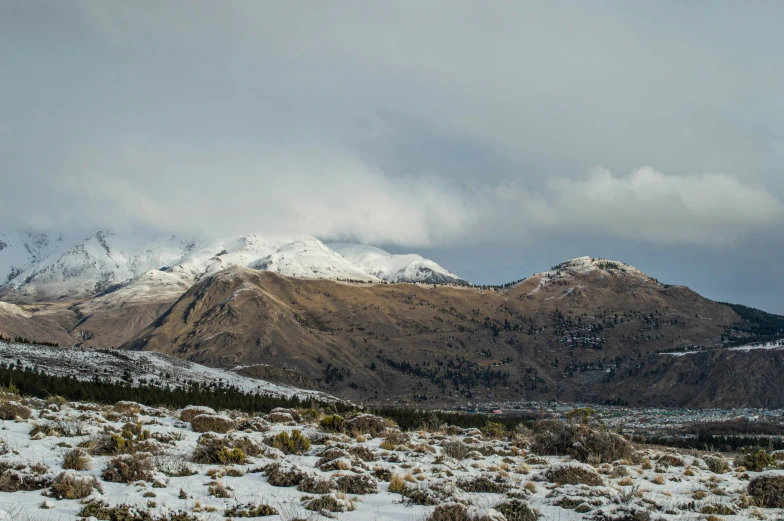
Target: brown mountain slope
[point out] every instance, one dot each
(572, 334)
(90, 323)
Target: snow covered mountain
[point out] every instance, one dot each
(44, 267)
(311, 258)
(395, 268)
(94, 264)
(21, 250)
(584, 266)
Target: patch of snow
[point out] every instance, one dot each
(143, 367)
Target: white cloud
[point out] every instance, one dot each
(336, 196)
(320, 193)
(703, 209)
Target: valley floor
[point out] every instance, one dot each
(133, 462)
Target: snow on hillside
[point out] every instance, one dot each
(96, 263)
(582, 266)
(394, 267)
(40, 268)
(777, 344)
(311, 258)
(154, 368)
(151, 286)
(225, 253)
(22, 250)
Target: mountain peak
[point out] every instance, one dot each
(590, 266)
(44, 267)
(410, 267)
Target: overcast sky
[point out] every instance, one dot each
(497, 138)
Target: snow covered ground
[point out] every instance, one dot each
(153, 368)
(160, 463)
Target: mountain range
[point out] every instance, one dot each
(366, 325)
(48, 267)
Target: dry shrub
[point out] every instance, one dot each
(625, 513)
(330, 503)
(581, 442)
(483, 484)
(190, 412)
(115, 444)
(397, 484)
(362, 452)
(315, 485)
(295, 443)
(70, 485)
(394, 440)
(332, 423)
(367, 424)
(517, 510)
(455, 512)
(388, 444)
(671, 460)
(382, 474)
(13, 410)
(717, 465)
(254, 424)
(717, 509)
(573, 475)
(231, 456)
(768, 490)
(755, 460)
(128, 468)
(213, 450)
(60, 429)
(456, 449)
(15, 477)
(218, 489)
(494, 430)
(283, 476)
(127, 408)
(331, 454)
(338, 464)
(212, 423)
(77, 459)
(356, 484)
(422, 495)
(250, 510)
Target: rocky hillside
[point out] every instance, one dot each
(586, 330)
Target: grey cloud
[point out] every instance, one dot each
(412, 123)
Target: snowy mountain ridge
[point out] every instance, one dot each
(41, 266)
(582, 266)
(395, 268)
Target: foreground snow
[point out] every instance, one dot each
(336, 471)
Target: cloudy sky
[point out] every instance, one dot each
(496, 138)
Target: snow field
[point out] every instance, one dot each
(447, 466)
